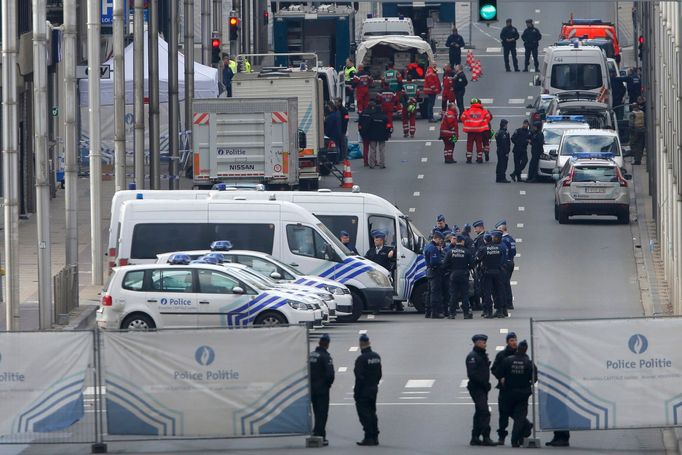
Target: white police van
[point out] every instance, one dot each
(279, 273)
(284, 230)
(184, 294)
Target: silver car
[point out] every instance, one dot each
(591, 184)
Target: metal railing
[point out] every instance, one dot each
(65, 293)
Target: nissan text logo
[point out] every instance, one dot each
(638, 344)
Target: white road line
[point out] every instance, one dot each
(522, 208)
(499, 348)
(516, 268)
(412, 209)
(424, 159)
(342, 369)
(464, 383)
(527, 112)
(353, 349)
(371, 316)
(530, 97)
(416, 194)
(537, 11)
(419, 383)
(487, 100)
(432, 128)
(530, 84)
(412, 398)
(518, 255)
(537, 22)
(428, 143)
(522, 192)
(361, 332)
(493, 49)
(439, 97)
(504, 330)
(516, 101)
(519, 240)
(519, 225)
(513, 283)
(420, 177)
(417, 393)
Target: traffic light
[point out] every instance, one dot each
(215, 49)
(487, 10)
(234, 28)
(641, 46)
(266, 17)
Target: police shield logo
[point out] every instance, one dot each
(638, 344)
(204, 355)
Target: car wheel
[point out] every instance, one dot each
(270, 319)
(624, 217)
(358, 306)
(563, 216)
(138, 321)
(419, 295)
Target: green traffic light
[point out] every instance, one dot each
(488, 12)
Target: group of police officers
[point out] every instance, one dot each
(452, 257)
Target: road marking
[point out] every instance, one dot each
(527, 112)
(432, 128)
(513, 283)
(522, 208)
(504, 330)
(516, 101)
(410, 404)
(487, 100)
(530, 97)
(362, 332)
(420, 383)
(464, 383)
(416, 393)
(519, 240)
(518, 255)
(499, 348)
(439, 97)
(537, 22)
(412, 398)
(522, 192)
(428, 143)
(519, 225)
(353, 349)
(424, 159)
(537, 11)
(530, 84)
(412, 209)
(493, 49)
(371, 316)
(343, 369)
(420, 176)
(416, 194)
(516, 268)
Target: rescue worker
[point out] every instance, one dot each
(344, 236)
(365, 129)
(345, 119)
(449, 133)
(531, 40)
(520, 139)
(503, 142)
(432, 88)
(510, 253)
(381, 253)
(502, 399)
(392, 78)
(388, 101)
(434, 258)
(459, 83)
(475, 122)
(415, 70)
(448, 95)
(508, 37)
(518, 376)
(410, 97)
(247, 65)
(321, 379)
(491, 258)
(455, 44)
(478, 373)
(229, 70)
(348, 75)
(637, 133)
(458, 262)
(537, 141)
(362, 81)
(367, 376)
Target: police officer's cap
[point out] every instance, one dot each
(479, 337)
(461, 238)
(437, 233)
(487, 237)
(496, 234)
(511, 335)
(440, 218)
(467, 227)
(501, 223)
(344, 234)
(523, 345)
(478, 223)
(364, 338)
(325, 337)
(378, 234)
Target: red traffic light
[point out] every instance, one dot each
(641, 39)
(215, 43)
(234, 21)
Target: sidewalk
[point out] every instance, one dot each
(28, 251)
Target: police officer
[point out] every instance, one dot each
(479, 230)
(503, 142)
(468, 242)
(537, 141)
(502, 398)
(491, 258)
(321, 380)
(531, 40)
(344, 236)
(478, 372)
(348, 74)
(458, 262)
(434, 257)
(508, 37)
(380, 253)
(455, 44)
(520, 139)
(478, 242)
(367, 376)
(518, 376)
(441, 226)
(510, 253)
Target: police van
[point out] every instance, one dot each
(284, 230)
(186, 294)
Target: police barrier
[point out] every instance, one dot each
(206, 383)
(43, 382)
(608, 373)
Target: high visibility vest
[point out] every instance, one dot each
(391, 78)
(233, 66)
(348, 73)
(247, 66)
(410, 89)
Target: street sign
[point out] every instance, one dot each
(104, 72)
(55, 111)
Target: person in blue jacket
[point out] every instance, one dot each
(434, 256)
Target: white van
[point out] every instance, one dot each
(360, 214)
(576, 68)
(284, 230)
(382, 26)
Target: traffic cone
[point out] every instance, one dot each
(480, 68)
(470, 58)
(347, 175)
(474, 73)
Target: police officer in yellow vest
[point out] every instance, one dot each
(348, 74)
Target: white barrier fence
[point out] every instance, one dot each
(608, 373)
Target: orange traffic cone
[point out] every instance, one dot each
(347, 175)
(480, 68)
(474, 73)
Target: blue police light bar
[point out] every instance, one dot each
(206, 259)
(222, 187)
(217, 256)
(179, 259)
(139, 196)
(221, 245)
(565, 118)
(593, 156)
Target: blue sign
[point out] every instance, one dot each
(638, 344)
(107, 15)
(204, 355)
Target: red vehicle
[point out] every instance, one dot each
(591, 29)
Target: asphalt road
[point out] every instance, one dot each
(582, 270)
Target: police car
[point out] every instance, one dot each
(592, 184)
(553, 129)
(278, 271)
(574, 142)
(186, 294)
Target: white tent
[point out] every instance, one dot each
(205, 78)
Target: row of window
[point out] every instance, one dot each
(180, 281)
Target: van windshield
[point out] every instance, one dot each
(576, 76)
(589, 144)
